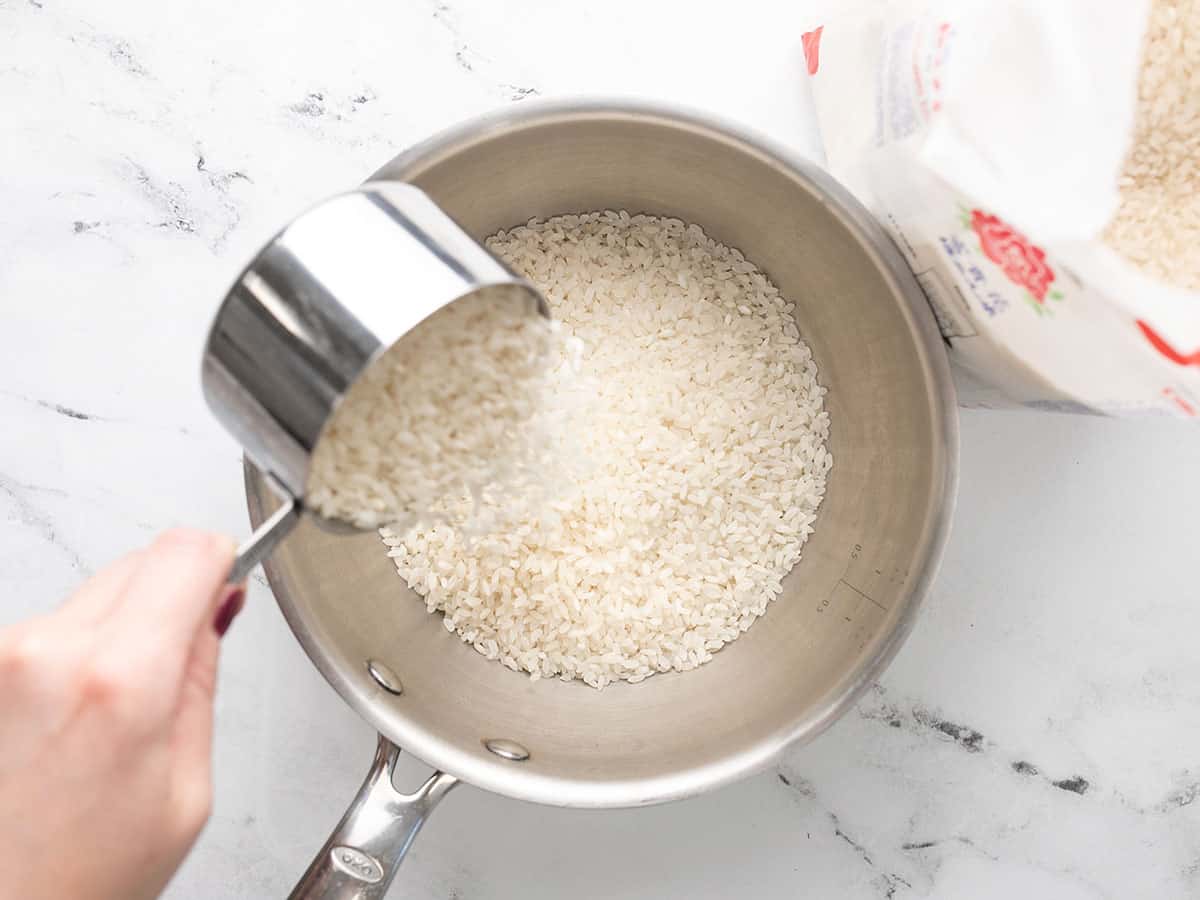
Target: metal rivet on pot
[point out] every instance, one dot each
(507, 749)
(384, 677)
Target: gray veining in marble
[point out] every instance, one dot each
(1039, 735)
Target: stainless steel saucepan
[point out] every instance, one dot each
(846, 607)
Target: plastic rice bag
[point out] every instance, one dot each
(989, 138)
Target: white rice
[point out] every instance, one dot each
(1157, 226)
(705, 443)
(455, 422)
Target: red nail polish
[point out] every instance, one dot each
(228, 612)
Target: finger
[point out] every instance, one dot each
(191, 736)
(168, 598)
(232, 600)
(99, 595)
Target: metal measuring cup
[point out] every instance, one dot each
(314, 309)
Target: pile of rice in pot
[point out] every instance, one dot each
(701, 432)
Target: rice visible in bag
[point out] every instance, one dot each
(1157, 226)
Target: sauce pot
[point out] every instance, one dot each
(846, 607)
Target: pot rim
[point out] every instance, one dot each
(528, 784)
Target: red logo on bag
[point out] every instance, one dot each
(1022, 262)
(812, 48)
(1159, 343)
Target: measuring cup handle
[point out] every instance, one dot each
(259, 545)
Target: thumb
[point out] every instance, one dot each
(192, 729)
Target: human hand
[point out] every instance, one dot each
(106, 724)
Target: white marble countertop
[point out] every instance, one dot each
(1038, 736)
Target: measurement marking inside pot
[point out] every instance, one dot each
(863, 594)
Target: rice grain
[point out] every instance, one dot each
(1157, 226)
(704, 439)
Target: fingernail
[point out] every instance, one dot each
(228, 612)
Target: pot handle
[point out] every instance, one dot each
(361, 857)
